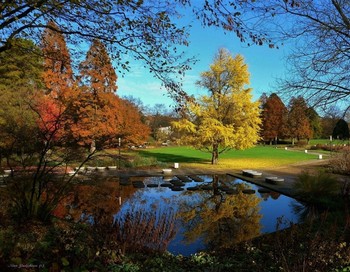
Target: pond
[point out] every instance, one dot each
(196, 213)
(210, 212)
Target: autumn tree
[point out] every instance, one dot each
(94, 110)
(226, 118)
(274, 117)
(58, 73)
(132, 129)
(101, 116)
(60, 86)
(298, 122)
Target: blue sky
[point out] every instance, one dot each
(264, 65)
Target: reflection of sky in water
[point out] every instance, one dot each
(161, 199)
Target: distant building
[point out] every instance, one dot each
(165, 130)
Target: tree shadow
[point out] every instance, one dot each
(168, 157)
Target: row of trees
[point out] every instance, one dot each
(51, 115)
(43, 99)
(227, 118)
(297, 121)
(151, 31)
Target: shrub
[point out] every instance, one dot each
(319, 187)
(340, 164)
(139, 161)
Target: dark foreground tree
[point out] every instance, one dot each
(321, 32)
(150, 31)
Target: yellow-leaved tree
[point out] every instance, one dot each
(226, 118)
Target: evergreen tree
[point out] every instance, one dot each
(341, 130)
(20, 82)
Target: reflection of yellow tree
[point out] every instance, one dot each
(222, 220)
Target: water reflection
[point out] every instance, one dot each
(210, 212)
(222, 220)
(139, 228)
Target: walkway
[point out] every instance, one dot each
(289, 173)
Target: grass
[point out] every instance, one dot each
(257, 157)
(327, 141)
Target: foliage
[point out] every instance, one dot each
(100, 116)
(58, 73)
(319, 36)
(315, 122)
(340, 163)
(20, 79)
(143, 30)
(132, 129)
(317, 188)
(341, 130)
(317, 245)
(226, 118)
(298, 123)
(274, 117)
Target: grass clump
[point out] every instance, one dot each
(319, 188)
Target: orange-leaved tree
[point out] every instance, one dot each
(58, 73)
(274, 118)
(102, 117)
(132, 129)
(298, 123)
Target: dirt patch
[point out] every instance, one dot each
(297, 168)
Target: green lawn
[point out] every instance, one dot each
(257, 157)
(327, 142)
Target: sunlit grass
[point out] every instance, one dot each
(241, 164)
(258, 157)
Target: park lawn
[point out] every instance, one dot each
(256, 157)
(327, 142)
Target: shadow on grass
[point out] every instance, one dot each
(168, 157)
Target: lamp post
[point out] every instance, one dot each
(119, 144)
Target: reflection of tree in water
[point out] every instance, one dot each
(142, 229)
(274, 195)
(135, 228)
(90, 199)
(221, 219)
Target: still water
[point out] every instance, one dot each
(209, 212)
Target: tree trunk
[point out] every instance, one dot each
(215, 154)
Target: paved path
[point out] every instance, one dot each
(289, 173)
